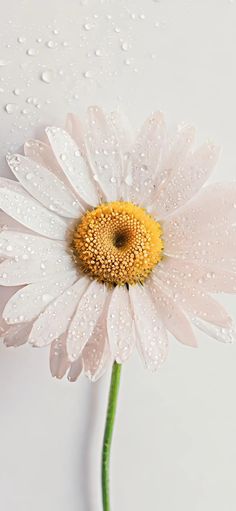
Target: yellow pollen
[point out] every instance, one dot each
(117, 243)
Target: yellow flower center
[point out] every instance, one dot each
(117, 243)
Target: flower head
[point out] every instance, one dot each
(113, 241)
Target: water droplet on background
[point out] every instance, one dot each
(51, 44)
(124, 46)
(21, 39)
(10, 108)
(46, 76)
(32, 52)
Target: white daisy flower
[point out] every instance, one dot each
(113, 242)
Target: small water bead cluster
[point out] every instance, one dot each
(121, 27)
(117, 243)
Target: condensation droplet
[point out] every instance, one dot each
(98, 53)
(10, 108)
(21, 39)
(46, 76)
(88, 26)
(3, 63)
(87, 74)
(32, 52)
(16, 92)
(124, 46)
(51, 44)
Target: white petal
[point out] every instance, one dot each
(7, 222)
(173, 317)
(75, 129)
(152, 337)
(17, 243)
(58, 358)
(179, 148)
(146, 158)
(209, 213)
(26, 210)
(16, 272)
(186, 180)
(226, 335)
(44, 186)
(96, 353)
(54, 321)
(197, 302)
(17, 335)
(120, 326)
(104, 153)
(41, 153)
(27, 303)
(174, 153)
(177, 272)
(89, 309)
(73, 164)
(123, 130)
(75, 370)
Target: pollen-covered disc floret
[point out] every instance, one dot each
(117, 243)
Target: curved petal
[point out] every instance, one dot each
(209, 212)
(54, 321)
(198, 303)
(226, 335)
(88, 311)
(186, 180)
(58, 358)
(178, 272)
(120, 326)
(17, 335)
(44, 186)
(146, 157)
(26, 210)
(43, 154)
(17, 243)
(33, 269)
(96, 353)
(75, 370)
(123, 130)
(152, 337)
(104, 153)
(73, 164)
(172, 315)
(75, 129)
(7, 222)
(27, 303)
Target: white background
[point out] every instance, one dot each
(175, 442)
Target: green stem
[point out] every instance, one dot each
(110, 418)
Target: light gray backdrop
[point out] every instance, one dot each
(175, 442)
